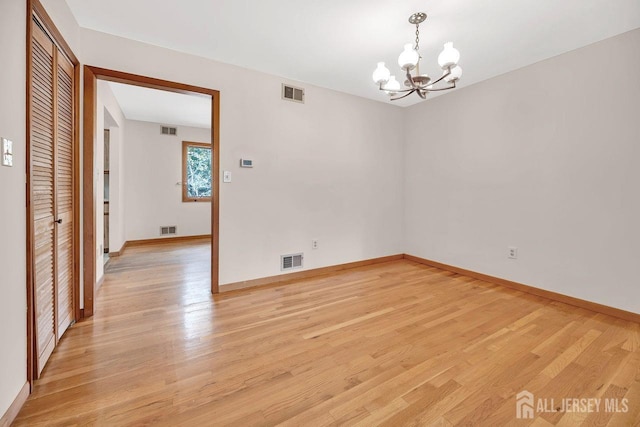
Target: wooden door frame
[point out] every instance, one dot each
(37, 11)
(90, 81)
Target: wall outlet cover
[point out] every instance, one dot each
(7, 152)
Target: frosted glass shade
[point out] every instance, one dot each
(456, 73)
(449, 56)
(381, 74)
(409, 57)
(392, 86)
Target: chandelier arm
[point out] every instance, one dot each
(401, 90)
(404, 96)
(443, 88)
(397, 91)
(442, 77)
(421, 95)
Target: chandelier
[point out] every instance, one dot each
(409, 60)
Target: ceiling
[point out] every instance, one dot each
(159, 106)
(336, 43)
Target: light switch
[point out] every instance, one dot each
(7, 152)
(226, 176)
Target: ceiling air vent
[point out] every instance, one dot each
(168, 230)
(289, 262)
(167, 130)
(291, 93)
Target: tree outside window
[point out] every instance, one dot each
(196, 171)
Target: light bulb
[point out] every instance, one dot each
(392, 86)
(449, 56)
(381, 74)
(409, 57)
(456, 73)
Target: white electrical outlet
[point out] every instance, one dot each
(314, 244)
(512, 252)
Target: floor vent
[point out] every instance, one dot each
(291, 93)
(289, 262)
(166, 130)
(168, 230)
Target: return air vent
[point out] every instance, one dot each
(289, 262)
(291, 93)
(168, 230)
(167, 130)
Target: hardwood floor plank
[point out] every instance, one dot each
(396, 343)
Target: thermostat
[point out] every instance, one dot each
(246, 163)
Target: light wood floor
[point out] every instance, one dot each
(392, 344)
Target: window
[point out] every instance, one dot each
(196, 171)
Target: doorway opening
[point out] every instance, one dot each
(94, 186)
(109, 122)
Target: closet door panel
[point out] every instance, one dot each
(64, 193)
(43, 194)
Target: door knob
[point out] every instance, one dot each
(59, 221)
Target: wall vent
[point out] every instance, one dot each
(168, 130)
(289, 262)
(168, 230)
(291, 93)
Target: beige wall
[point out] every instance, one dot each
(153, 164)
(330, 169)
(109, 116)
(13, 301)
(116, 177)
(544, 158)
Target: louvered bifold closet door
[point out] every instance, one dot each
(43, 194)
(64, 192)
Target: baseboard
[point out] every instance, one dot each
(99, 283)
(119, 252)
(305, 274)
(599, 308)
(158, 241)
(165, 240)
(15, 407)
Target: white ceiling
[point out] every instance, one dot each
(336, 43)
(159, 106)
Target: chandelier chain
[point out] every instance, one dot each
(417, 37)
